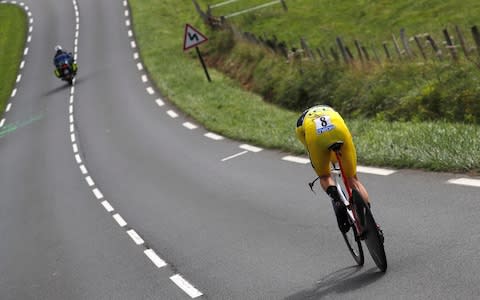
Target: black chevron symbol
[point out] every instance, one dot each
(193, 36)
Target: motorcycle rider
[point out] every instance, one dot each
(62, 56)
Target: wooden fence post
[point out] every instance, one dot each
(377, 58)
(461, 38)
(305, 48)
(321, 54)
(437, 51)
(397, 48)
(343, 50)
(450, 45)
(365, 53)
(419, 44)
(359, 50)
(405, 44)
(350, 56)
(386, 51)
(334, 54)
(284, 5)
(476, 37)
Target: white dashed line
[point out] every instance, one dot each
(89, 181)
(157, 261)
(126, 13)
(70, 109)
(30, 29)
(19, 77)
(130, 33)
(133, 45)
(150, 90)
(71, 118)
(296, 159)
(250, 148)
(135, 56)
(9, 105)
(127, 23)
(72, 137)
(121, 222)
(465, 181)
(29, 39)
(72, 128)
(14, 92)
(2, 122)
(107, 206)
(135, 237)
(235, 155)
(139, 66)
(124, 3)
(172, 114)
(83, 169)
(71, 99)
(213, 136)
(25, 52)
(97, 194)
(186, 286)
(78, 158)
(22, 64)
(144, 78)
(160, 102)
(189, 125)
(75, 148)
(375, 171)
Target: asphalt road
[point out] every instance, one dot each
(81, 168)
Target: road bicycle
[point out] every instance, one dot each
(362, 223)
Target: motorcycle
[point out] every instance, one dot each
(67, 72)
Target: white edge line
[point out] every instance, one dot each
(150, 90)
(189, 125)
(135, 237)
(157, 261)
(172, 114)
(97, 193)
(2, 122)
(186, 286)
(121, 222)
(213, 136)
(9, 105)
(250, 148)
(296, 159)
(160, 102)
(465, 181)
(375, 171)
(107, 206)
(235, 155)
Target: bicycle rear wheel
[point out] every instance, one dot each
(354, 244)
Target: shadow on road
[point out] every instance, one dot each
(63, 86)
(341, 281)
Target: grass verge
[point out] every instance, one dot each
(224, 107)
(13, 24)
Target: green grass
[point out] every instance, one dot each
(13, 26)
(224, 107)
(320, 21)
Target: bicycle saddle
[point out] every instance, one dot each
(335, 146)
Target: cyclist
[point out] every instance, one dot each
(317, 128)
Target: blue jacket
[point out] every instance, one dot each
(61, 58)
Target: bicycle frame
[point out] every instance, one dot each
(348, 203)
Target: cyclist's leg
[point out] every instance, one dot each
(349, 163)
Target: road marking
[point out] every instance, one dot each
(77, 27)
(172, 114)
(133, 45)
(127, 23)
(107, 206)
(78, 158)
(135, 237)
(465, 181)
(135, 56)
(22, 64)
(235, 155)
(30, 29)
(89, 181)
(72, 137)
(83, 169)
(160, 102)
(186, 286)
(70, 109)
(213, 136)
(72, 90)
(139, 66)
(296, 159)
(2, 122)
(75, 148)
(126, 13)
(29, 39)
(19, 77)
(31, 21)
(190, 125)
(150, 90)
(375, 171)
(130, 33)
(72, 128)
(71, 118)
(25, 52)
(14, 92)
(250, 148)
(97, 193)
(9, 105)
(125, 3)
(144, 78)
(121, 222)
(157, 261)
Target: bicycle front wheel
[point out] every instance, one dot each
(354, 244)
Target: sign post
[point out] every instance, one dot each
(193, 38)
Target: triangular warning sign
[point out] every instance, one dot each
(193, 37)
